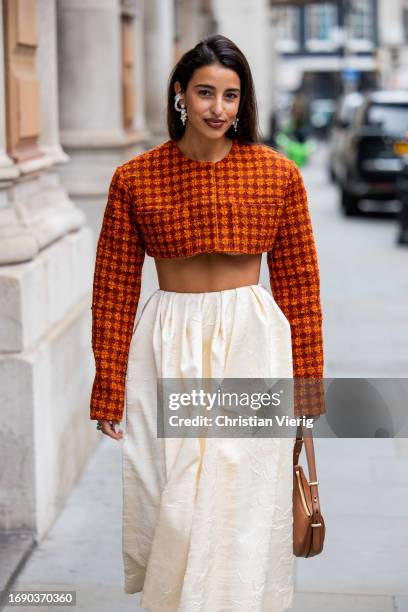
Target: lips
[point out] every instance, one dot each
(214, 123)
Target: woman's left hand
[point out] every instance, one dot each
(108, 428)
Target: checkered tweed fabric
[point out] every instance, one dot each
(295, 282)
(167, 205)
(116, 289)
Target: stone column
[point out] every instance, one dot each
(159, 29)
(47, 60)
(90, 99)
(188, 24)
(89, 64)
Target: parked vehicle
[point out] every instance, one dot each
(341, 122)
(369, 158)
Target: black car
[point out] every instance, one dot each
(372, 150)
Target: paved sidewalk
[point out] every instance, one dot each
(82, 551)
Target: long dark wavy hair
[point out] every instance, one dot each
(212, 50)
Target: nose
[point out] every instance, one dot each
(217, 107)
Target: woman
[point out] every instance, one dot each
(207, 521)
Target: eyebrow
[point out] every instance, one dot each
(212, 87)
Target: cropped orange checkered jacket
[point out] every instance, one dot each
(167, 205)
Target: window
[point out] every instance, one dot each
(405, 23)
(390, 117)
(287, 30)
(361, 25)
(321, 23)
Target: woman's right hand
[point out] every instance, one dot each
(108, 428)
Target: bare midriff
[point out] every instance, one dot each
(208, 272)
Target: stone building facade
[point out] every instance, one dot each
(45, 256)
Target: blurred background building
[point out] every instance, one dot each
(82, 90)
(327, 46)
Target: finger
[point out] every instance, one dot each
(115, 424)
(109, 429)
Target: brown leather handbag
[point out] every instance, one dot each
(309, 528)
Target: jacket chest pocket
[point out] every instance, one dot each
(163, 224)
(255, 223)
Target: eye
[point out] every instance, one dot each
(231, 95)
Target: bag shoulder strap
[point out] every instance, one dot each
(305, 437)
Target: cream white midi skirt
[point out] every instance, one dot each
(207, 523)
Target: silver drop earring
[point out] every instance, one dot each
(235, 123)
(180, 109)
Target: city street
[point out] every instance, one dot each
(363, 482)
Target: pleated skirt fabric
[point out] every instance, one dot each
(207, 522)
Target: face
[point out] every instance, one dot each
(213, 93)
